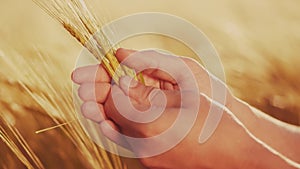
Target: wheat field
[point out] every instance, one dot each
(258, 42)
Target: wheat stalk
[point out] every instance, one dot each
(55, 98)
(18, 150)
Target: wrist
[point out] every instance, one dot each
(225, 147)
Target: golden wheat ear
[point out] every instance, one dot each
(77, 19)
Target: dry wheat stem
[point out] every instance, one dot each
(53, 127)
(55, 98)
(15, 149)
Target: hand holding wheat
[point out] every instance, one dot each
(227, 144)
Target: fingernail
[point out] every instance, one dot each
(72, 76)
(128, 82)
(92, 111)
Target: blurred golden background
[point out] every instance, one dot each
(258, 42)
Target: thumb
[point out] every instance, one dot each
(122, 53)
(148, 95)
(142, 58)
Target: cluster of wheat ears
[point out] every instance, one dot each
(53, 98)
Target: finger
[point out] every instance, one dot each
(112, 132)
(165, 85)
(93, 111)
(94, 73)
(161, 75)
(94, 91)
(148, 95)
(123, 54)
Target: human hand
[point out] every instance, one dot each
(108, 105)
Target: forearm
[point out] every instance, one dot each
(266, 135)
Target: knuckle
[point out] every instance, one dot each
(102, 91)
(84, 91)
(141, 94)
(150, 131)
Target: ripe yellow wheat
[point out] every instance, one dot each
(44, 80)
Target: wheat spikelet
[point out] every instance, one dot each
(76, 18)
